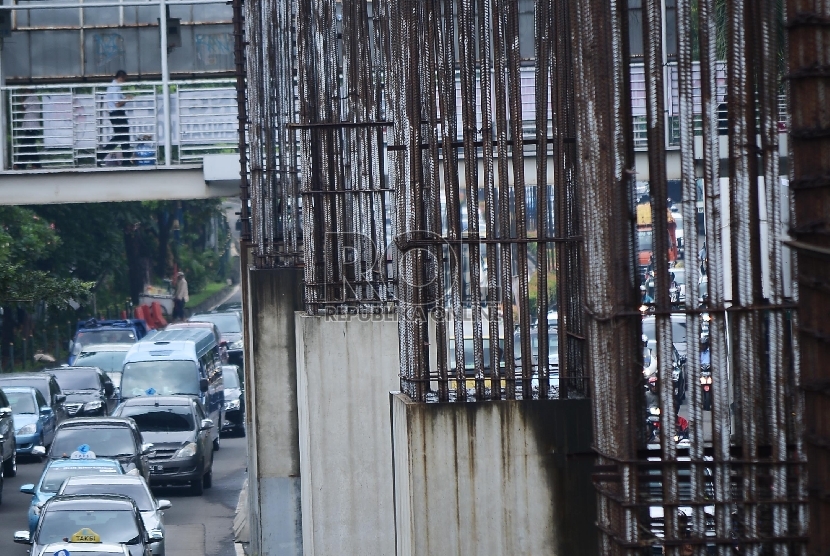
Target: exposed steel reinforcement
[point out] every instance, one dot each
(437, 158)
(808, 33)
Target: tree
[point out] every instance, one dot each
(25, 241)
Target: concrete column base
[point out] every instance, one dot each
(271, 392)
(493, 478)
(346, 367)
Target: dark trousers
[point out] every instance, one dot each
(120, 137)
(29, 142)
(178, 309)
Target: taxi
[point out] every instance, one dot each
(83, 549)
(92, 520)
(81, 462)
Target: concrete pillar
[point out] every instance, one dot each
(346, 367)
(271, 388)
(494, 478)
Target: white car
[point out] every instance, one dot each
(152, 510)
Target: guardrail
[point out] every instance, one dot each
(70, 126)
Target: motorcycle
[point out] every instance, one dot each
(653, 427)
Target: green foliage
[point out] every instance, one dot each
(26, 241)
(18, 284)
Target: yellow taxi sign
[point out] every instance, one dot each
(85, 535)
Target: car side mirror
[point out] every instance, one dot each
(146, 448)
(60, 398)
(22, 537)
(28, 488)
(108, 388)
(206, 424)
(5, 412)
(155, 535)
(164, 504)
(203, 384)
(39, 451)
(45, 410)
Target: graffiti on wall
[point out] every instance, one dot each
(109, 52)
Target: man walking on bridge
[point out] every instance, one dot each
(116, 100)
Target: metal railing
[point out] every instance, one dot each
(71, 126)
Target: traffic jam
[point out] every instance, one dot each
(132, 411)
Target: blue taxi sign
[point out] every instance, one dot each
(151, 391)
(83, 452)
(62, 552)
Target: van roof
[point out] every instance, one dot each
(188, 344)
(149, 351)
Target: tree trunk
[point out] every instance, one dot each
(162, 257)
(132, 247)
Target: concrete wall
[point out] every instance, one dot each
(346, 368)
(271, 388)
(493, 478)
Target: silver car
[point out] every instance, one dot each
(152, 510)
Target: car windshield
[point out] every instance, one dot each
(22, 401)
(135, 491)
(39, 384)
(108, 361)
(160, 377)
(102, 440)
(55, 476)
(111, 526)
(226, 323)
(87, 337)
(175, 418)
(644, 241)
(468, 354)
(678, 330)
(115, 377)
(77, 380)
(230, 377)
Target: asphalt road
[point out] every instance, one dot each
(196, 526)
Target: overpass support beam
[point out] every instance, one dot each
(271, 387)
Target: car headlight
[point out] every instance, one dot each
(31, 428)
(233, 404)
(235, 345)
(93, 406)
(186, 451)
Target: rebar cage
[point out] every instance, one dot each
(471, 163)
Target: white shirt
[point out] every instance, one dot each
(181, 290)
(31, 107)
(114, 96)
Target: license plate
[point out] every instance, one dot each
(156, 469)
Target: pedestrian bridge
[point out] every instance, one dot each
(60, 147)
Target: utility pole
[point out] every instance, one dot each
(165, 84)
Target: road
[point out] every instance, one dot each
(196, 526)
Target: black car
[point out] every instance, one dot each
(99, 519)
(180, 434)
(230, 327)
(108, 437)
(234, 401)
(8, 449)
(46, 384)
(89, 391)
